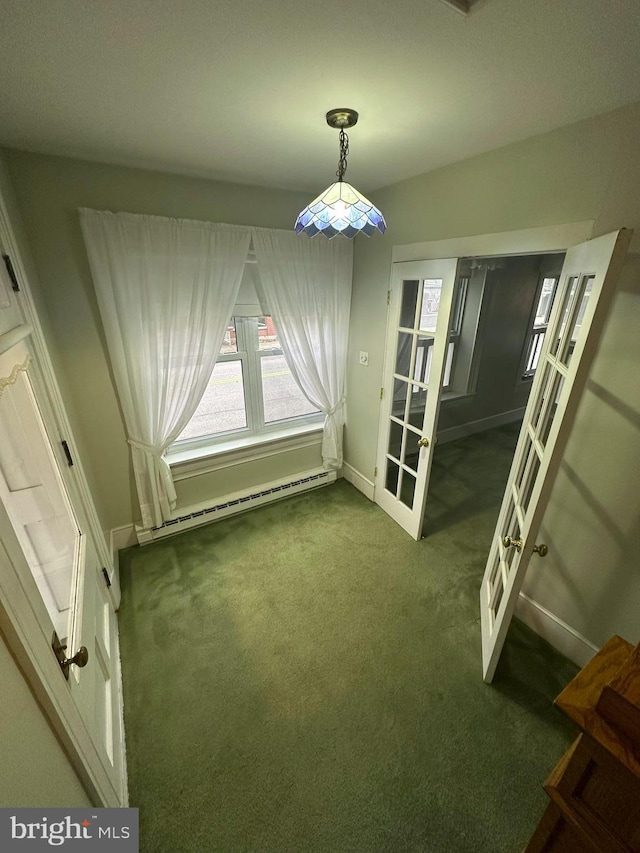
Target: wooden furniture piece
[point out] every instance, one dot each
(595, 787)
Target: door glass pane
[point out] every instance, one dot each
(541, 391)
(281, 394)
(34, 495)
(392, 477)
(409, 304)
(417, 406)
(570, 339)
(399, 404)
(430, 305)
(529, 481)
(551, 407)
(411, 450)
(222, 406)
(563, 316)
(424, 357)
(408, 489)
(403, 354)
(395, 439)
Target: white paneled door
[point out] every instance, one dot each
(51, 579)
(417, 358)
(586, 286)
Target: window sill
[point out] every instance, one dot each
(191, 461)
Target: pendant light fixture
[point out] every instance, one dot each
(341, 209)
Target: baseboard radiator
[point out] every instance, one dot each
(236, 503)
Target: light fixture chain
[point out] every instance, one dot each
(344, 150)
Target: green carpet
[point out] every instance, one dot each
(305, 677)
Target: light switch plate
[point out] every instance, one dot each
(364, 358)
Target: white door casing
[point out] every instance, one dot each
(421, 298)
(587, 283)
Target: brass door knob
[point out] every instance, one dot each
(518, 544)
(423, 442)
(508, 542)
(81, 657)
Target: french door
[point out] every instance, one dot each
(51, 579)
(585, 289)
(417, 357)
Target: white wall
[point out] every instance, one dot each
(49, 191)
(34, 770)
(587, 171)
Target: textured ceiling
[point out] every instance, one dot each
(238, 90)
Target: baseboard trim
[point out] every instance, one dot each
(464, 430)
(358, 480)
(557, 633)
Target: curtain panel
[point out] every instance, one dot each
(307, 285)
(166, 289)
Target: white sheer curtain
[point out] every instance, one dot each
(166, 289)
(307, 285)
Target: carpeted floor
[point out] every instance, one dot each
(305, 677)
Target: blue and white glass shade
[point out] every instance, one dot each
(340, 209)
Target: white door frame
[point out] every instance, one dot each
(529, 241)
(22, 613)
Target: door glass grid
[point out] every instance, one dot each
(542, 391)
(407, 489)
(551, 408)
(580, 306)
(424, 356)
(563, 314)
(419, 307)
(403, 354)
(399, 404)
(395, 440)
(526, 489)
(430, 305)
(418, 406)
(411, 455)
(392, 478)
(409, 305)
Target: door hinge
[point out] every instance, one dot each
(388, 297)
(381, 393)
(11, 273)
(375, 472)
(107, 579)
(67, 453)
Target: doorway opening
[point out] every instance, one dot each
(501, 313)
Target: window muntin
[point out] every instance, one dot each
(251, 390)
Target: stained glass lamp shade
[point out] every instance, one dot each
(341, 209)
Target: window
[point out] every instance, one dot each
(251, 390)
(533, 346)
